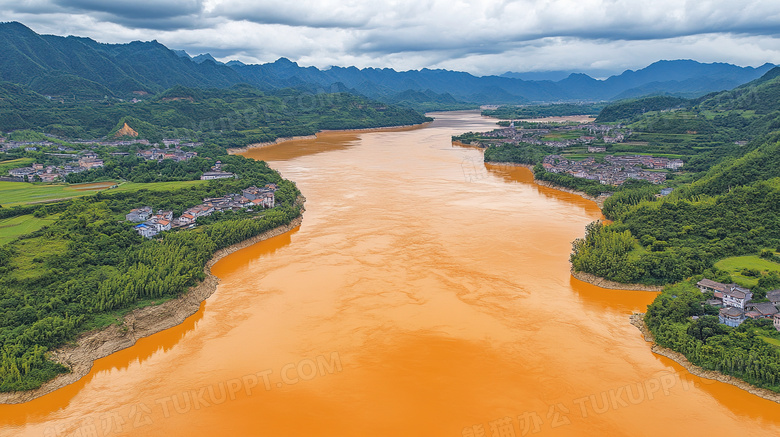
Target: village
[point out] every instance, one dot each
(607, 169)
(736, 306)
(250, 199)
(86, 160)
(516, 135)
(615, 170)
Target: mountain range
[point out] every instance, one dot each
(83, 68)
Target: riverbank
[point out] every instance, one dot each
(598, 200)
(137, 324)
(638, 321)
(612, 285)
(238, 150)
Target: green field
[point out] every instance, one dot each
(14, 163)
(155, 186)
(773, 341)
(736, 264)
(18, 193)
(14, 227)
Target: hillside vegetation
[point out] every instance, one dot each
(85, 266)
(729, 209)
(231, 117)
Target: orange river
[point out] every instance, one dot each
(425, 294)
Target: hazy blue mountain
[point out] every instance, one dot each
(203, 58)
(60, 63)
(683, 77)
(82, 67)
(554, 75)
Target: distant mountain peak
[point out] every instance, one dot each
(203, 57)
(285, 61)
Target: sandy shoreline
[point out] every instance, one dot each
(612, 285)
(638, 321)
(137, 324)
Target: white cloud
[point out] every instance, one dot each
(483, 37)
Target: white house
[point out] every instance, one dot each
(777, 321)
(737, 297)
(732, 294)
(674, 164)
(731, 316)
(210, 175)
(706, 285)
(139, 214)
(163, 225)
(145, 230)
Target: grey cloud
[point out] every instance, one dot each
(136, 9)
(30, 6)
(176, 23)
(292, 14)
(479, 36)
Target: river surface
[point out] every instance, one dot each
(425, 294)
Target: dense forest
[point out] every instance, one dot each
(227, 117)
(665, 241)
(90, 266)
(553, 110)
(522, 153)
(729, 209)
(631, 108)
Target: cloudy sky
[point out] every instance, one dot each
(481, 37)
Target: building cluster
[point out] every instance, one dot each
(89, 160)
(512, 135)
(250, 198)
(175, 154)
(645, 161)
(30, 146)
(50, 173)
(736, 306)
(216, 173)
(614, 171)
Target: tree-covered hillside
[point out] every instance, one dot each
(233, 117)
(730, 208)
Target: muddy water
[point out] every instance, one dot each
(425, 294)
